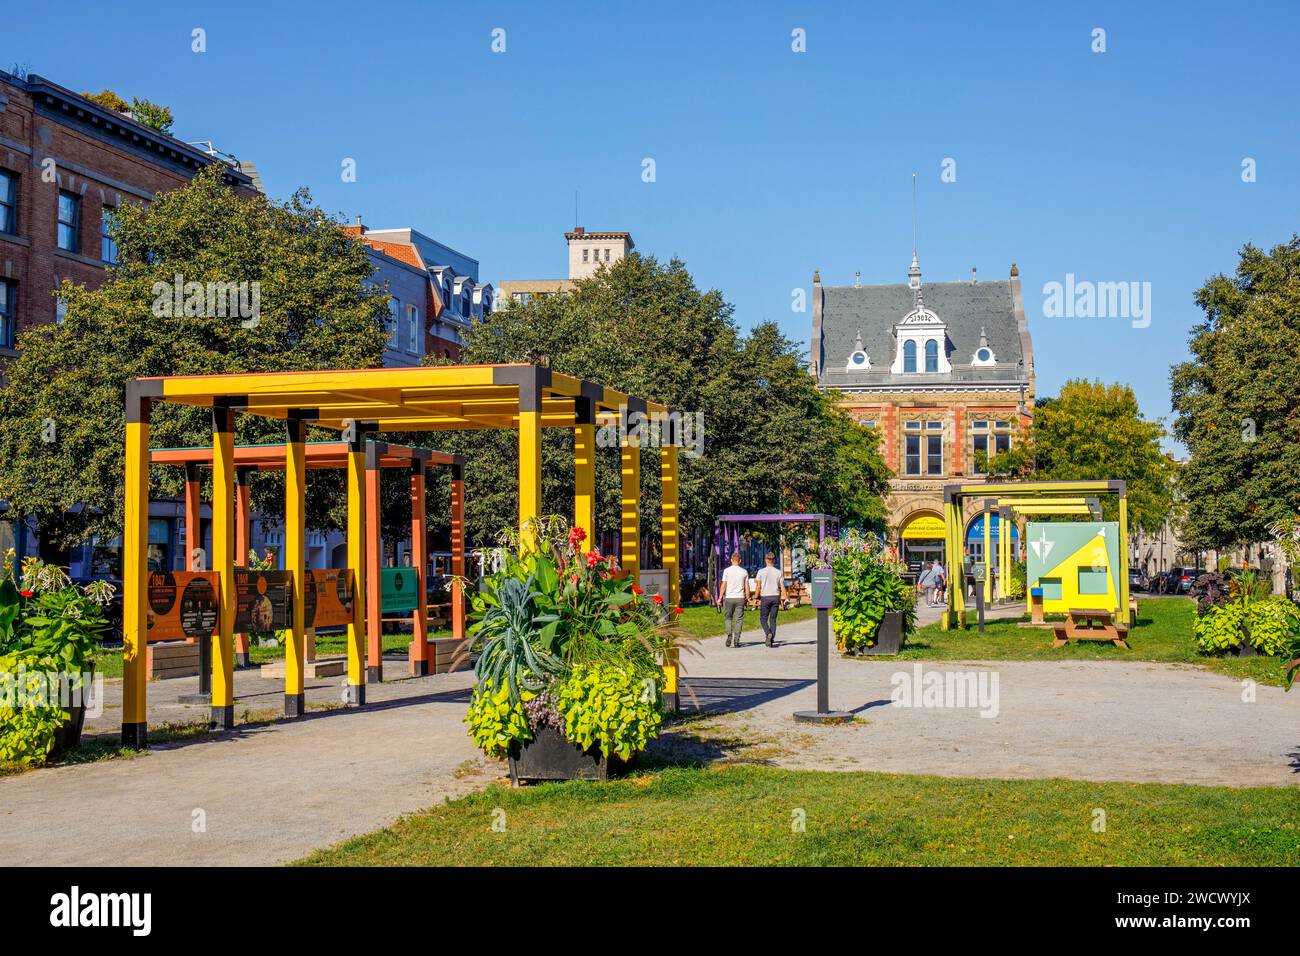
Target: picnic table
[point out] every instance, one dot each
(1090, 624)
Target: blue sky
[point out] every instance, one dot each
(1117, 166)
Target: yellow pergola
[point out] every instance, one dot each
(525, 398)
(1027, 498)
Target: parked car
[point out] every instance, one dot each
(1138, 580)
(1181, 580)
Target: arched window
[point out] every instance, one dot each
(909, 356)
(932, 356)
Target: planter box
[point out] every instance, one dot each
(69, 735)
(551, 756)
(889, 639)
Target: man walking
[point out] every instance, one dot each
(770, 585)
(940, 583)
(733, 595)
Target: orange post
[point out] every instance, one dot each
(196, 558)
(374, 635)
(243, 542)
(419, 654)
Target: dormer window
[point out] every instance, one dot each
(983, 353)
(932, 355)
(858, 359)
(909, 355)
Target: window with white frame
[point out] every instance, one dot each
(394, 328)
(8, 202)
(413, 329)
(923, 447)
(69, 221)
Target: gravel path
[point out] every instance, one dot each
(271, 793)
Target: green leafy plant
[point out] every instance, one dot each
(1270, 624)
(1220, 628)
(867, 587)
(48, 626)
(616, 707)
(497, 719)
(555, 620)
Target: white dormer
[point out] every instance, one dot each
(984, 354)
(922, 337)
(859, 361)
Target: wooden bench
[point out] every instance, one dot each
(1090, 625)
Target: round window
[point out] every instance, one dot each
(984, 355)
(859, 358)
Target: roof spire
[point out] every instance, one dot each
(914, 273)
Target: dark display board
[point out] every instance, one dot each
(263, 601)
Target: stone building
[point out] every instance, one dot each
(944, 370)
(588, 251)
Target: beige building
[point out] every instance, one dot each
(588, 251)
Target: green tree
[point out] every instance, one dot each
(109, 100)
(1238, 402)
(153, 115)
(1094, 431)
(61, 413)
(772, 440)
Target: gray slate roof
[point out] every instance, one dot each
(876, 309)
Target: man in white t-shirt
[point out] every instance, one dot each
(733, 595)
(770, 585)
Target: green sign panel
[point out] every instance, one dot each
(399, 590)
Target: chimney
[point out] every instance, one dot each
(578, 230)
(857, 282)
(973, 278)
(361, 229)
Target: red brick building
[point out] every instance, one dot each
(944, 371)
(65, 163)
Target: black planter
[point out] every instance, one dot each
(68, 735)
(551, 756)
(889, 637)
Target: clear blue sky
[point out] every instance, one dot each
(1118, 166)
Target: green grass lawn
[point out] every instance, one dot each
(1163, 633)
(742, 816)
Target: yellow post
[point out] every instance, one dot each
(356, 544)
(1123, 614)
(135, 574)
(223, 562)
(530, 476)
(672, 558)
(950, 566)
(988, 556)
(1004, 554)
(295, 562)
(584, 470)
(630, 523)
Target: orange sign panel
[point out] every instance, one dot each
(183, 605)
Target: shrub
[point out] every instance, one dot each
(867, 587)
(497, 719)
(1220, 628)
(618, 708)
(1271, 624)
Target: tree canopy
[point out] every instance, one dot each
(771, 440)
(1094, 431)
(1238, 402)
(208, 281)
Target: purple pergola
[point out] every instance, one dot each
(727, 531)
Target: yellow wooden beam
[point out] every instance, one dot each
(630, 524)
(530, 477)
(356, 548)
(135, 578)
(584, 480)
(223, 562)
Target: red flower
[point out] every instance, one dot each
(658, 599)
(573, 579)
(593, 559)
(638, 592)
(576, 537)
(26, 594)
(678, 610)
